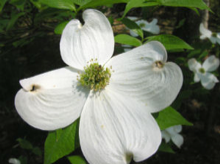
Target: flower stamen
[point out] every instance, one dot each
(158, 64)
(201, 70)
(95, 76)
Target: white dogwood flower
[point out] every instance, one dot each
(172, 133)
(205, 33)
(14, 161)
(113, 97)
(151, 27)
(202, 72)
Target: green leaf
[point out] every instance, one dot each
(171, 42)
(59, 28)
(111, 20)
(2, 4)
(76, 160)
(37, 4)
(13, 20)
(165, 148)
(170, 117)
(23, 159)
(19, 4)
(133, 26)
(181, 23)
(195, 9)
(127, 39)
(94, 3)
(58, 134)
(60, 4)
(61, 143)
(25, 144)
(3, 24)
(37, 151)
(52, 13)
(173, 3)
(184, 3)
(139, 3)
(81, 2)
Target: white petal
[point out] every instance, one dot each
(166, 136)
(202, 37)
(194, 65)
(208, 80)
(135, 75)
(175, 137)
(132, 18)
(79, 44)
(205, 33)
(114, 128)
(152, 27)
(177, 140)
(211, 63)
(196, 77)
(142, 23)
(154, 21)
(171, 131)
(51, 100)
(14, 161)
(149, 27)
(178, 128)
(132, 33)
(213, 39)
(218, 38)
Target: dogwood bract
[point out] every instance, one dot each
(14, 161)
(151, 27)
(202, 72)
(172, 133)
(112, 96)
(205, 33)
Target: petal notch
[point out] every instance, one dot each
(135, 75)
(114, 128)
(54, 103)
(94, 40)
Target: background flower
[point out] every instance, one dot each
(205, 33)
(172, 133)
(14, 161)
(151, 27)
(202, 72)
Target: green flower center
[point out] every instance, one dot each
(201, 70)
(214, 34)
(142, 25)
(95, 76)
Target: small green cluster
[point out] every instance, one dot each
(214, 34)
(142, 25)
(95, 77)
(202, 70)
